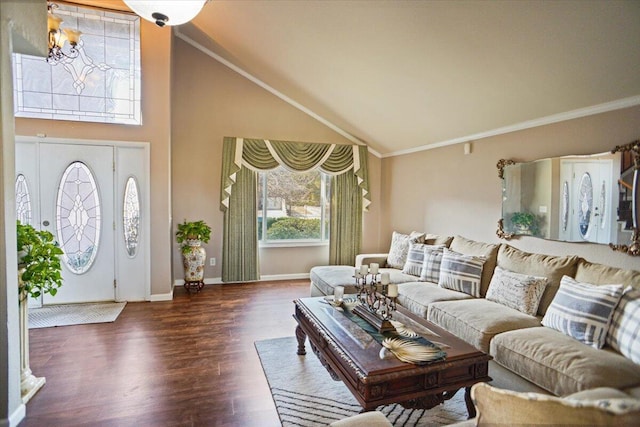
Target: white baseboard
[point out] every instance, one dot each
(267, 278)
(17, 416)
(161, 297)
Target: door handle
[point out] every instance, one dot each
(45, 223)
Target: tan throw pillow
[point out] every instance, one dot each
(400, 248)
(504, 407)
(551, 267)
(521, 292)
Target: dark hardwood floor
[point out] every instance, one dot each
(186, 362)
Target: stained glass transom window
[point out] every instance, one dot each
(131, 216)
(101, 85)
(23, 200)
(78, 217)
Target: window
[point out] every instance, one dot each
(78, 217)
(293, 207)
(102, 84)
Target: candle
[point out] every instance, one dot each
(385, 278)
(364, 269)
(338, 293)
(393, 291)
(374, 268)
(357, 272)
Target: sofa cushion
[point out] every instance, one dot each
(519, 291)
(551, 267)
(561, 364)
(434, 239)
(600, 274)
(477, 321)
(583, 311)
(624, 331)
(416, 296)
(417, 255)
(508, 408)
(461, 273)
(327, 277)
(489, 251)
(400, 247)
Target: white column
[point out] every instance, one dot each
(29, 383)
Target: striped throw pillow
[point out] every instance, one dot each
(461, 273)
(624, 332)
(416, 257)
(583, 311)
(431, 264)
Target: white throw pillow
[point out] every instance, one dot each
(400, 248)
(583, 311)
(624, 332)
(461, 273)
(518, 291)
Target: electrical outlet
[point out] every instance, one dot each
(212, 261)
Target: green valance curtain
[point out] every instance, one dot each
(349, 169)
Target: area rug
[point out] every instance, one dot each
(74, 314)
(305, 394)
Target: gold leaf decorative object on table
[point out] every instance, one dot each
(412, 352)
(403, 330)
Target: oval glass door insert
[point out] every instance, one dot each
(78, 217)
(131, 216)
(23, 200)
(585, 204)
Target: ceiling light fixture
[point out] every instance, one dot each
(166, 12)
(58, 36)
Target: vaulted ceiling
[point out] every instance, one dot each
(404, 75)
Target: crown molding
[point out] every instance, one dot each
(555, 118)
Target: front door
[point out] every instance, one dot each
(77, 206)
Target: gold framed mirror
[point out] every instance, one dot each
(576, 198)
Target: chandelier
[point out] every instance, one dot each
(58, 36)
(166, 12)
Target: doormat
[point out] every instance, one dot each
(74, 314)
(305, 394)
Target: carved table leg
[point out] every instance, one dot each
(471, 408)
(301, 337)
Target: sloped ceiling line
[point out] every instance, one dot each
(273, 91)
(555, 118)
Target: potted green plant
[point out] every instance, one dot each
(190, 236)
(39, 268)
(39, 272)
(196, 230)
(524, 223)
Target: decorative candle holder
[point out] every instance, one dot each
(377, 299)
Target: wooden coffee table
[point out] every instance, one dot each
(352, 355)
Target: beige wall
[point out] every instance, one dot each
(210, 102)
(444, 191)
(156, 130)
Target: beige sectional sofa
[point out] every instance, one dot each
(527, 356)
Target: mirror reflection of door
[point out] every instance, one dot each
(587, 202)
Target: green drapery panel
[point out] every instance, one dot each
(240, 242)
(346, 219)
(240, 231)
